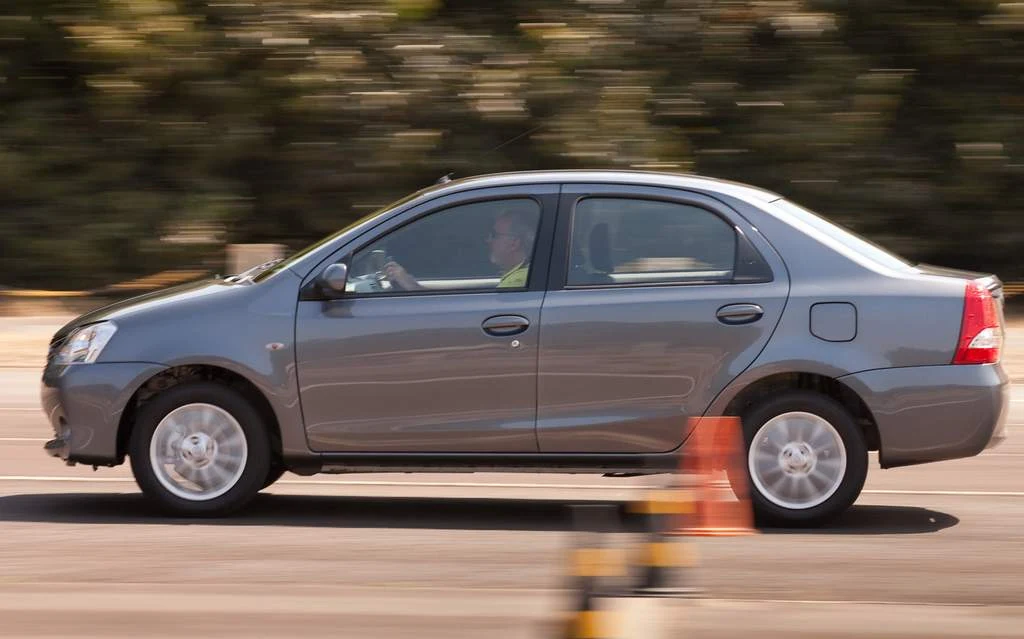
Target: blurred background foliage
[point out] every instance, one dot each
(139, 135)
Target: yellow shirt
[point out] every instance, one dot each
(516, 278)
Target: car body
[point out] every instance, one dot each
(652, 299)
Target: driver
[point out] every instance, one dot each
(510, 243)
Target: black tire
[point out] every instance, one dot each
(275, 473)
(769, 513)
(258, 459)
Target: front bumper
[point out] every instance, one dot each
(84, 404)
(934, 413)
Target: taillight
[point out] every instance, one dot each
(981, 335)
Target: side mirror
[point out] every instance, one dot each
(334, 278)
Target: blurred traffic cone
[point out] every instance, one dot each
(722, 508)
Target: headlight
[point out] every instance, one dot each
(85, 344)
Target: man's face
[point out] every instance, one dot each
(505, 248)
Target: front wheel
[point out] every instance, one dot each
(275, 473)
(806, 459)
(200, 449)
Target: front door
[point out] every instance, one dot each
(433, 348)
(661, 303)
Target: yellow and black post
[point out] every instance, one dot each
(594, 567)
(665, 564)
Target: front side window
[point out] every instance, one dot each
(478, 246)
(621, 241)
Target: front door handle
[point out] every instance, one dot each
(740, 313)
(505, 325)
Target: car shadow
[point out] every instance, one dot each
(305, 511)
(878, 520)
(422, 513)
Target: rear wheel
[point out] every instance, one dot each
(200, 449)
(806, 459)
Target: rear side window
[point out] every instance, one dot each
(620, 241)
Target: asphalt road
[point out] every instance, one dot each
(929, 551)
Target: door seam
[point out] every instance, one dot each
(540, 319)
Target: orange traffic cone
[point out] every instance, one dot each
(715, 447)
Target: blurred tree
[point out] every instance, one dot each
(141, 134)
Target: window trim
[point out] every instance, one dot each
(571, 214)
(538, 193)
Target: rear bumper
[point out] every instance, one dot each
(84, 404)
(932, 413)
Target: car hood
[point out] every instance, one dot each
(144, 303)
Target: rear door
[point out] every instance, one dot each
(657, 299)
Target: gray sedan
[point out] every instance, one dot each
(564, 321)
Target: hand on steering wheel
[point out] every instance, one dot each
(398, 276)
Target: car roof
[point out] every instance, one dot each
(641, 178)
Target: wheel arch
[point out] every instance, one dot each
(177, 375)
(771, 384)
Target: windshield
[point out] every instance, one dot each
(863, 246)
(276, 267)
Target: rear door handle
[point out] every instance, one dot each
(740, 313)
(505, 325)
